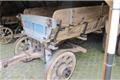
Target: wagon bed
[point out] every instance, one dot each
(73, 21)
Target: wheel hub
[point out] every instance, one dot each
(64, 71)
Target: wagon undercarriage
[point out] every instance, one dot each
(59, 63)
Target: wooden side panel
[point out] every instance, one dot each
(72, 20)
(43, 11)
(72, 31)
(75, 16)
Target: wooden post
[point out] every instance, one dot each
(114, 16)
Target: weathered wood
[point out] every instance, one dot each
(43, 11)
(110, 49)
(73, 20)
(74, 16)
(77, 49)
(109, 2)
(19, 57)
(10, 19)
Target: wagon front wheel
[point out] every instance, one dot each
(22, 45)
(6, 35)
(61, 66)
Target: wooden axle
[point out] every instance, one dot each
(22, 56)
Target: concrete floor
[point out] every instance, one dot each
(89, 65)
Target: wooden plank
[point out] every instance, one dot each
(76, 49)
(105, 55)
(72, 20)
(109, 2)
(74, 16)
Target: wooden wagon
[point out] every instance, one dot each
(45, 34)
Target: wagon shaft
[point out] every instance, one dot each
(19, 57)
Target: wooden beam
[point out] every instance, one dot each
(109, 2)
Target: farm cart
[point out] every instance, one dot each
(10, 28)
(45, 35)
(65, 22)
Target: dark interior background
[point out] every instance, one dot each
(8, 8)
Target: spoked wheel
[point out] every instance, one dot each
(6, 35)
(61, 66)
(21, 45)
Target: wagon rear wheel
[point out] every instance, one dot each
(61, 66)
(6, 35)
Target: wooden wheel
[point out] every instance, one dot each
(61, 66)
(6, 35)
(25, 43)
(22, 44)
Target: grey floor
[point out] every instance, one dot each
(89, 65)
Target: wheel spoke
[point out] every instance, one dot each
(1, 40)
(22, 43)
(20, 49)
(26, 41)
(6, 30)
(8, 36)
(5, 39)
(68, 61)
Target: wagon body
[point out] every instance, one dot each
(39, 27)
(66, 23)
